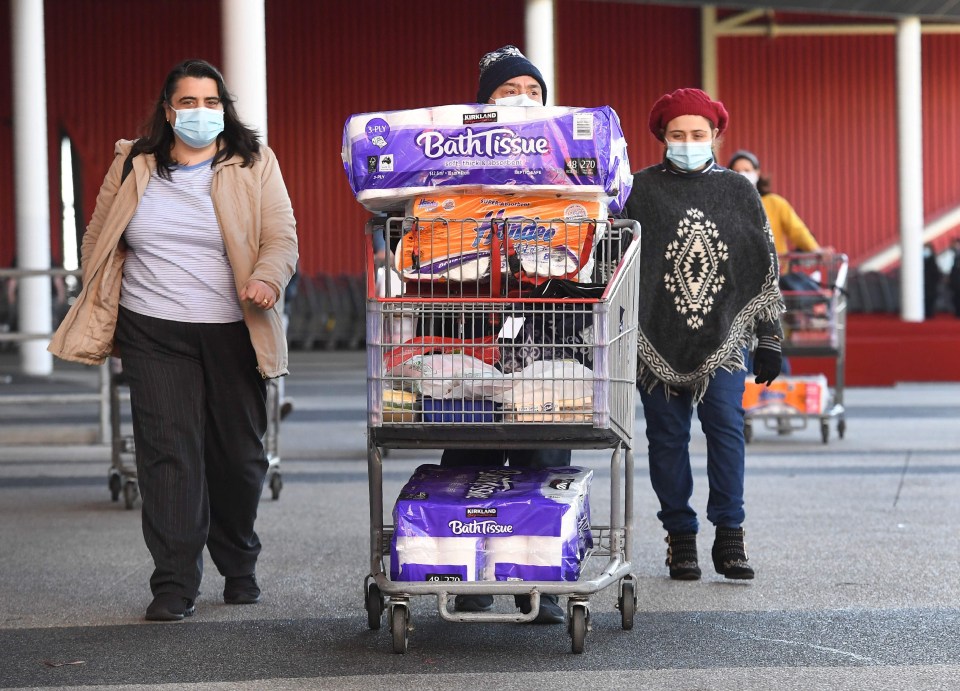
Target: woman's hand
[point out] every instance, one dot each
(259, 294)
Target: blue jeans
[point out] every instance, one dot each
(668, 437)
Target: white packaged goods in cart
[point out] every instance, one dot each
(391, 157)
(492, 524)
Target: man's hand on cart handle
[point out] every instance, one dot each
(767, 360)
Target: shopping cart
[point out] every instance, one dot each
(122, 476)
(572, 365)
(814, 325)
(271, 440)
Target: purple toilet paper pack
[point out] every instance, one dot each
(390, 157)
(495, 524)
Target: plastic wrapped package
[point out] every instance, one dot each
(456, 235)
(492, 524)
(392, 156)
(550, 391)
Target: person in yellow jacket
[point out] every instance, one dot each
(790, 233)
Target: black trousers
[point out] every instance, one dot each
(199, 416)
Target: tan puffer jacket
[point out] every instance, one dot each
(259, 233)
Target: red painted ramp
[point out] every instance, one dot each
(882, 350)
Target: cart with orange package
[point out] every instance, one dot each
(503, 332)
(814, 326)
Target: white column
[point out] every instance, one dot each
(539, 46)
(245, 59)
(910, 168)
(31, 188)
(708, 49)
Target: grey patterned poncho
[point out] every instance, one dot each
(708, 275)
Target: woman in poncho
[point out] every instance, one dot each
(708, 292)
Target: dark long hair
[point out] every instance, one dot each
(236, 139)
(763, 185)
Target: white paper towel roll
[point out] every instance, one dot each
(440, 551)
(538, 550)
(503, 550)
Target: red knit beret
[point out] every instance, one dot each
(686, 102)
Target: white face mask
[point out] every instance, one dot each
(518, 100)
(751, 175)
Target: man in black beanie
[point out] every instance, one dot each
(507, 78)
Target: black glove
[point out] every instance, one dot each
(767, 360)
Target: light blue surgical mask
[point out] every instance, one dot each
(690, 156)
(198, 127)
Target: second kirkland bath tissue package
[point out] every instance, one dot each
(493, 524)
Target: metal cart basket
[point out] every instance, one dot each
(508, 371)
(814, 325)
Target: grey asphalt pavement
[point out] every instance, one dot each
(855, 543)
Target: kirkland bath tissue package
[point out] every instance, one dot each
(392, 156)
(491, 523)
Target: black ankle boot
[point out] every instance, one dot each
(730, 554)
(682, 557)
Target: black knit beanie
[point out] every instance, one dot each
(501, 65)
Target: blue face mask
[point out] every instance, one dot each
(690, 156)
(198, 127)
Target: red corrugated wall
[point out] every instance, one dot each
(105, 63)
(820, 111)
(329, 60)
(941, 137)
(626, 56)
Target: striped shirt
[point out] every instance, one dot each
(176, 265)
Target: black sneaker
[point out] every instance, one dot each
(241, 590)
(169, 607)
(473, 603)
(550, 610)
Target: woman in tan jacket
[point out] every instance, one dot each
(190, 246)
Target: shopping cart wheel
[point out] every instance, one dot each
(578, 628)
(748, 432)
(841, 427)
(115, 484)
(825, 431)
(627, 604)
(130, 493)
(374, 606)
(276, 484)
(399, 620)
